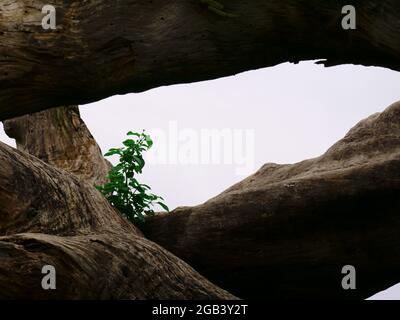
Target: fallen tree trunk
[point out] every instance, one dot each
(101, 48)
(287, 231)
(50, 217)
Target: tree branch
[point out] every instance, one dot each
(48, 216)
(102, 48)
(287, 231)
(60, 138)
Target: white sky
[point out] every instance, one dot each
(295, 111)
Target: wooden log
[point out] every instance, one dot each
(101, 48)
(288, 230)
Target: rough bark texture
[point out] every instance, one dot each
(102, 47)
(284, 232)
(48, 216)
(60, 137)
(287, 231)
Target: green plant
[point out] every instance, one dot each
(132, 199)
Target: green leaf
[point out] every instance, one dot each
(149, 141)
(118, 167)
(163, 206)
(112, 152)
(129, 143)
(130, 133)
(140, 162)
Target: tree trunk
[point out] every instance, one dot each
(284, 232)
(50, 217)
(287, 231)
(60, 138)
(101, 47)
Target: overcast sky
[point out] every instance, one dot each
(282, 114)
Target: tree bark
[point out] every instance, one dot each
(284, 232)
(101, 48)
(287, 231)
(60, 138)
(50, 217)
